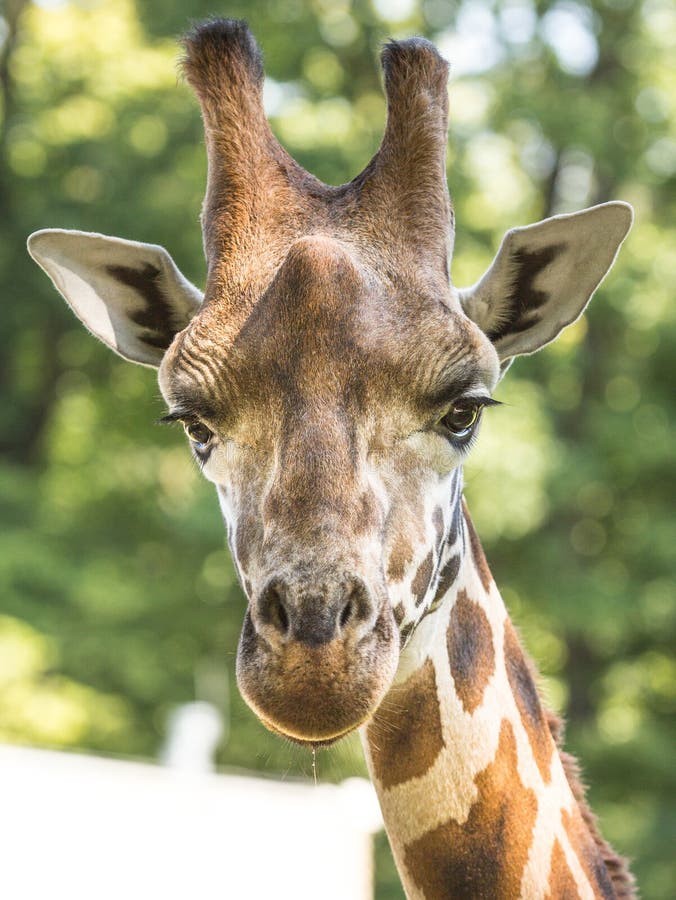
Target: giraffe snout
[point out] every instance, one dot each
(317, 654)
(313, 616)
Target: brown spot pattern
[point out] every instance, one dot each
(477, 552)
(561, 882)
(367, 515)
(447, 576)
(484, 858)
(525, 694)
(399, 613)
(470, 651)
(405, 735)
(400, 559)
(422, 579)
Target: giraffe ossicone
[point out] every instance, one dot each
(331, 380)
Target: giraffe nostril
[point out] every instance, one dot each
(272, 609)
(346, 614)
(281, 616)
(313, 614)
(277, 611)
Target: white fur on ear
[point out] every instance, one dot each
(544, 275)
(130, 295)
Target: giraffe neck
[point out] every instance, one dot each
(477, 800)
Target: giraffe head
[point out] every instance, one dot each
(331, 378)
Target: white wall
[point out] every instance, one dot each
(78, 827)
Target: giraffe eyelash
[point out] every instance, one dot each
(186, 411)
(463, 446)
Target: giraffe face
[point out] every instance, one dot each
(329, 376)
(322, 421)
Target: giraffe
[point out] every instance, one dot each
(331, 380)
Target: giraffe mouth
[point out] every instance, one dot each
(311, 742)
(317, 695)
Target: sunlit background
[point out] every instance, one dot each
(118, 602)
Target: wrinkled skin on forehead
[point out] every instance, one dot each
(323, 405)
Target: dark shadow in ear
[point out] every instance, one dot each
(524, 300)
(130, 295)
(157, 316)
(544, 275)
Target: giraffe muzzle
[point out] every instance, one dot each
(314, 663)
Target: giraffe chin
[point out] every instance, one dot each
(310, 738)
(315, 743)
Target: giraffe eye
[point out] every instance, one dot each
(461, 418)
(199, 434)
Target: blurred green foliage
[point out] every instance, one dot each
(117, 597)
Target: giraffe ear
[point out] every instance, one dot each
(544, 276)
(129, 295)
